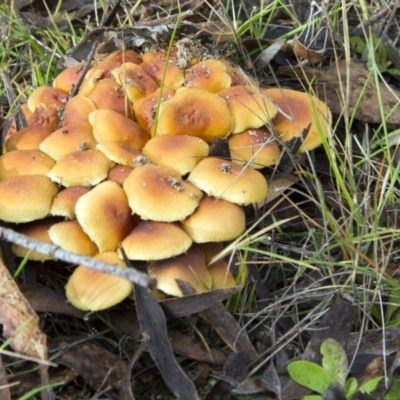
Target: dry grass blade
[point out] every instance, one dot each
(21, 324)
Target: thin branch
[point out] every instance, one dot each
(137, 277)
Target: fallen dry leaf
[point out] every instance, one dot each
(20, 322)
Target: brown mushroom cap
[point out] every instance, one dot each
(78, 109)
(173, 78)
(110, 126)
(124, 55)
(105, 216)
(65, 201)
(226, 180)
(37, 230)
(46, 117)
(254, 146)
(210, 75)
(215, 220)
(67, 139)
(178, 152)
(70, 236)
(135, 81)
(146, 107)
(107, 94)
(92, 290)
(195, 112)
(48, 96)
(28, 138)
(26, 198)
(66, 79)
(119, 173)
(189, 267)
(304, 109)
(159, 194)
(24, 162)
(81, 168)
(151, 240)
(249, 107)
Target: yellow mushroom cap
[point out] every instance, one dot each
(210, 75)
(124, 55)
(151, 240)
(28, 138)
(122, 154)
(178, 152)
(215, 220)
(105, 216)
(68, 138)
(37, 230)
(189, 267)
(26, 198)
(303, 109)
(159, 194)
(257, 147)
(249, 107)
(70, 236)
(65, 201)
(48, 96)
(92, 290)
(195, 112)
(226, 180)
(78, 109)
(110, 126)
(81, 168)
(24, 162)
(135, 81)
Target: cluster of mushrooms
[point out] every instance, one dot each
(125, 162)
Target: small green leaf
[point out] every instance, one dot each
(310, 375)
(334, 360)
(350, 387)
(312, 397)
(371, 385)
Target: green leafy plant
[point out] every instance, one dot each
(331, 376)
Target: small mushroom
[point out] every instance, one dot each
(92, 290)
(297, 111)
(105, 216)
(159, 194)
(172, 77)
(226, 180)
(67, 139)
(48, 96)
(195, 112)
(28, 138)
(26, 198)
(68, 78)
(24, 162)
(65, 201)
(81, 168)
(249, 107)
(77, 109)
(256, 147)
(70, 236)
(190, 267)
(178, 152)
(151, 240)
(110, 126)
(215, 220)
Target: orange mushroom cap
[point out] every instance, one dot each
(105, 216)
(297, 111)
(195, 112)
(226, 180)
(159, 194)
(92, 290)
